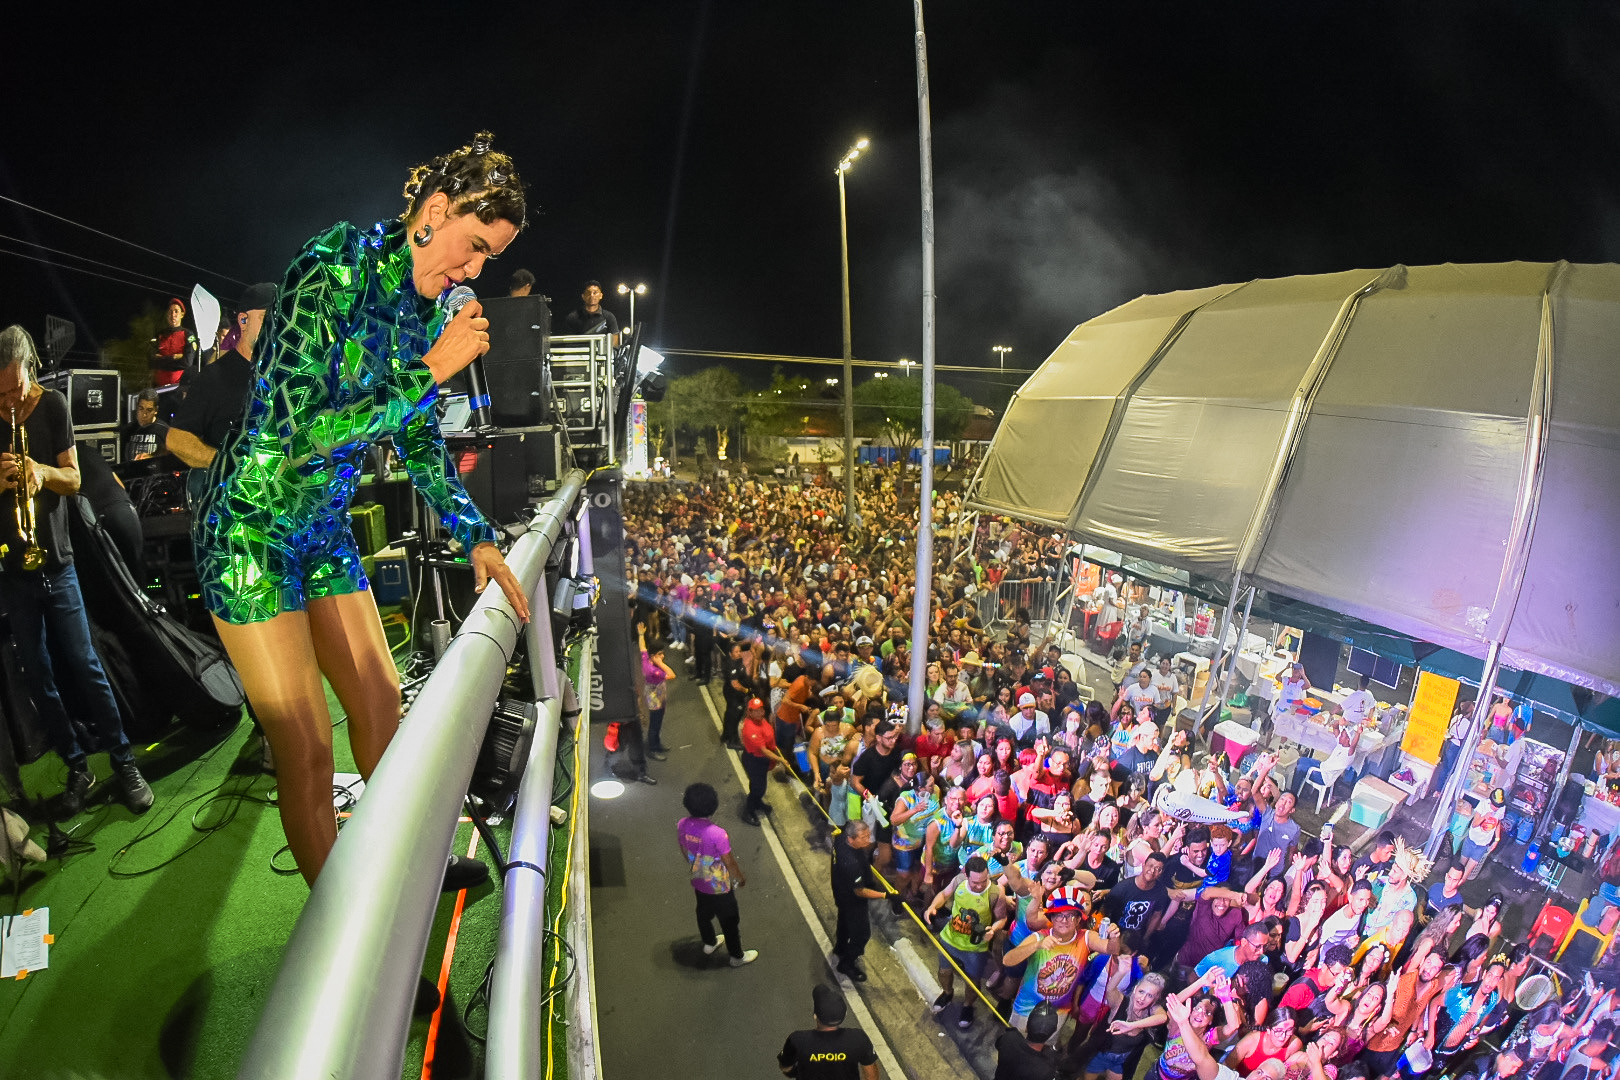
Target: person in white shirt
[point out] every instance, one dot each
(1138, 695)
(1294, 688)
(1359, 705)
(1029, 722)
(1165, 683)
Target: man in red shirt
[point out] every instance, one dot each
(758, 753)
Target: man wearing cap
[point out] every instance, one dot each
(174, 350)
(1028, 723)
(828, 1051)
(863, 653)
(213, 406)
(758, 755)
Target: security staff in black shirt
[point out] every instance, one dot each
(591, 317)
(217, 398)
(852, 886)
(828, 1051)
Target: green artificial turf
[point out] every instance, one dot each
(164, 974)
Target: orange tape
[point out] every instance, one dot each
(50, 939)
(444, 973)
(23, 974)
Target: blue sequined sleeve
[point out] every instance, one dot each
(434, 474)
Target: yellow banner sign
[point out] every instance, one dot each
(1426, 724)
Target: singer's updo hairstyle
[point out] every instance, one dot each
(476, 179)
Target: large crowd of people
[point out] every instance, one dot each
(1022, 821)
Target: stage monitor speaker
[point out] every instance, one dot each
(492, 470)
(515, 369)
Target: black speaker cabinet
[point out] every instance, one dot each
(515, 366)
(493, 470)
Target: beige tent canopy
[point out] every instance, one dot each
(1432, 449)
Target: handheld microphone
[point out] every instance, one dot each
(477, 389)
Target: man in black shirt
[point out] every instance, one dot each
(852, 886)
(828, 1051)
(144, 437)
(591, 317)
(738, 689)
(1139, 903)
(44, 606)
(872, 770)
(214, 406)
(1025, 1055)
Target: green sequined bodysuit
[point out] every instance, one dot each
(337, 367)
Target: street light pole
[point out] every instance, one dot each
(921, 616)
(639, 290)
(1002, 351)
(849, 352)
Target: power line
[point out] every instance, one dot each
(121, 240)
(94, 262)
(79, 269)
(775, 358)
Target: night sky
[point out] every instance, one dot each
(1084, 153)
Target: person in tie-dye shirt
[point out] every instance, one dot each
(716, 874)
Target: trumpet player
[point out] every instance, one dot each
(38, 585)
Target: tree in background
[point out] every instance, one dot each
(708, 400)
(130, 355)
(892, 409)
(782, 409)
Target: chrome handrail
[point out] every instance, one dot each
(341, 1003)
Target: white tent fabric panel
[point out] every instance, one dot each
(1569, 608)
(1197, 437)
(1417, 438)
(1060, 415)
(1455, 430)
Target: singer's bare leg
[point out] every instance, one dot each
(276, 660)
(281, 661)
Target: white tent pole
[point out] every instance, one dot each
(925, 502)
(1220, 642)
(1459, 773)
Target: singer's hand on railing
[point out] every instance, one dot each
(465, 339)
(487, 563)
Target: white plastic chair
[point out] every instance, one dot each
(1314, 779)
(1085, 692)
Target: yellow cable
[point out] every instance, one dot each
(892, 891)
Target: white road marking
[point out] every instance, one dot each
(891, 1064)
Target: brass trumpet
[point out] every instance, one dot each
(33, 555)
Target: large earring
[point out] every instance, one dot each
(422, 236)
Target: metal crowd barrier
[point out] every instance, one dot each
(341, 1004)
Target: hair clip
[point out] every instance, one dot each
(480, 144)
(496, 177)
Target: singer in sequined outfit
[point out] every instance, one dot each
(352, 351)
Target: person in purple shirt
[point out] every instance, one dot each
(716, 874)
(656, 675)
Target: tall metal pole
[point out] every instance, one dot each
(849, 366)
(1459, 773)
(925, 501)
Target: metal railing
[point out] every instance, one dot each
(341, 1004)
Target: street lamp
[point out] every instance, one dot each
(844, 166)
(832, 382)
(1002, 350)
(639, 290)
(881, 375)
(908, 365)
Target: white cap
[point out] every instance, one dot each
(1025, 699)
